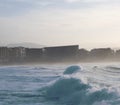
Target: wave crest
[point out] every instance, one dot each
(72, 69)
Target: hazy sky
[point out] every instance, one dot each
(89, 23)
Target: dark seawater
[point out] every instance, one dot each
(77, 84)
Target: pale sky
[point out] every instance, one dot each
(89, 23)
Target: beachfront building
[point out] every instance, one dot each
(61, 53)
(17, 54)
(102, 54)
(117, 55)
(83, 55)
(4, 53)
(34, 54)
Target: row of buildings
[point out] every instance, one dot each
(56, 54)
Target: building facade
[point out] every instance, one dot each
(34, 54)
(17, 54)
(4, 54)
(61, 53)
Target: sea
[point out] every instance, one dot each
(60, 84)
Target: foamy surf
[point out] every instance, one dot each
(84, 84)
(72, 91)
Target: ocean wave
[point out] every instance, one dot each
(71, 91)
(91, 85)
(113, 68)
(72, 69)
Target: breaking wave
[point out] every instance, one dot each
(72, 69)
(72, 91)
(89, 84)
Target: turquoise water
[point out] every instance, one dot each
(75, 84)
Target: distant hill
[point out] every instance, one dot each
(27, 45)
